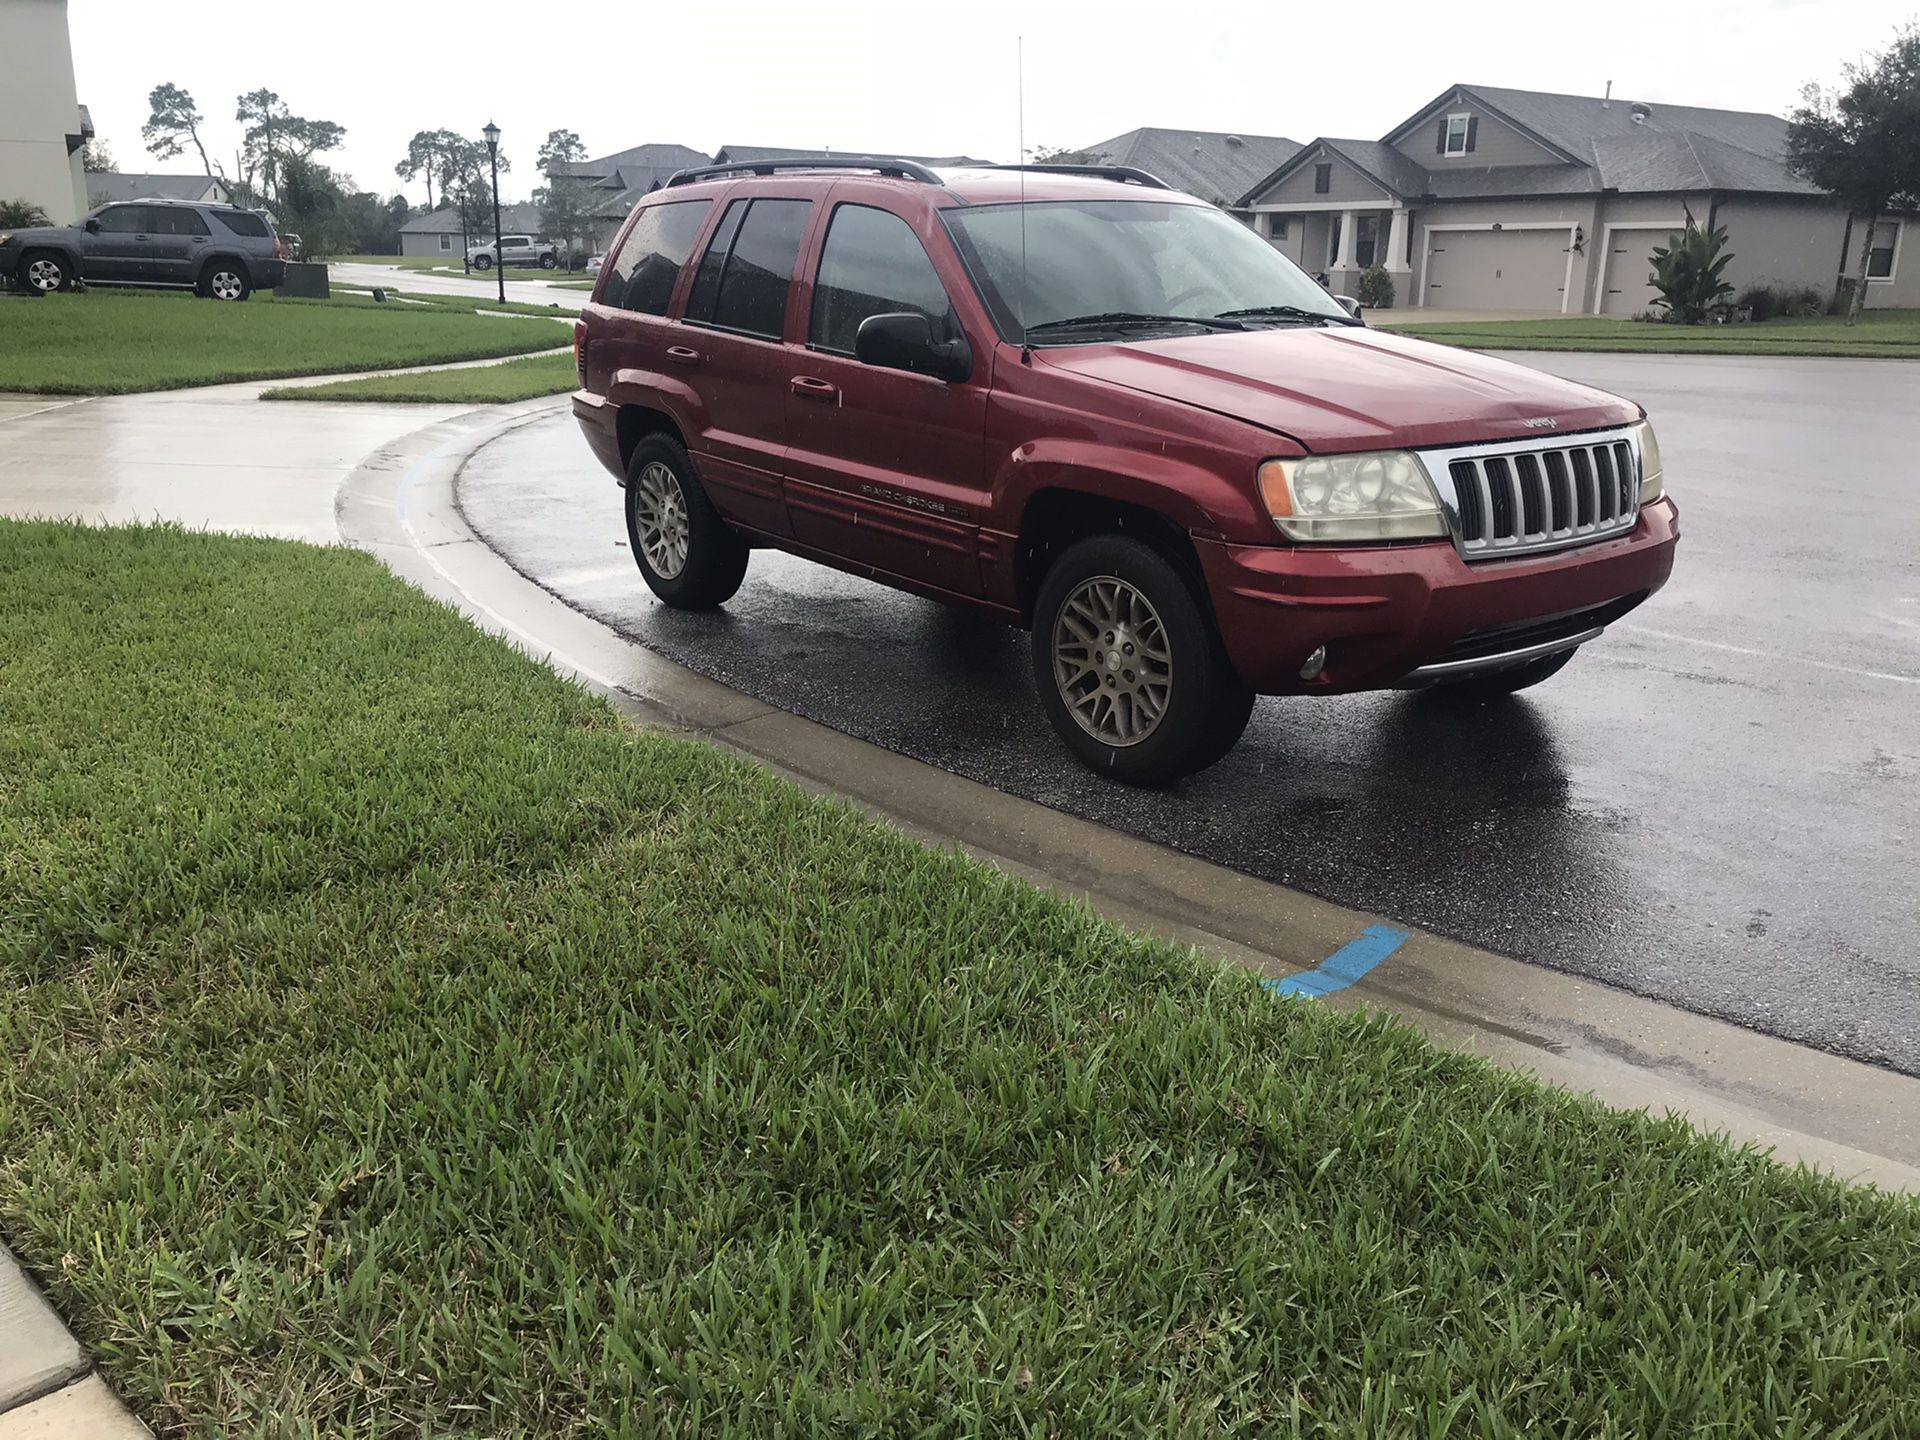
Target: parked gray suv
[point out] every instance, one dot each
(221, 251)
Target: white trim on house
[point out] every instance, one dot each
(1571, 227)
(1606, 252)
(1465, 120)
(1314, 207)
(1893, 260)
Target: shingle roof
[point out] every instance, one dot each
(514, 220)
(607, 169)
(1211, 164)
(109, 186)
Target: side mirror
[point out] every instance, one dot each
(1349, 304)
(904, 341)
(93, 226)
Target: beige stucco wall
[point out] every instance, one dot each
(1783, 242)
(1347, 186)
(1494, 143)
(39, 109)
(1903, 290)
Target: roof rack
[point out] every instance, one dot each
(1126, 174)
(885, 164)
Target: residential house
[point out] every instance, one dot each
(439, 232)
(1496, 199)
(106, 187)
(43, 125)
(620, 179)
(1217, 167)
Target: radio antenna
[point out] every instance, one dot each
(1020, 83)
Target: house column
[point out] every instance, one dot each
(1396, 261)
(1349, 225)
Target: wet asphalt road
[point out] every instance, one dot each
(1717, 805)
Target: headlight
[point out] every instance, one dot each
(5, 238)
(1652, 483)
(1380, 495)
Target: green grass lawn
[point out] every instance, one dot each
(1884, 333)
(522, 379)
(393, 1044)
(118, 341)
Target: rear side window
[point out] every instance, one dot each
(748, 269)
(649, 261)
(242, 222)
(872, 264)
(169, 221)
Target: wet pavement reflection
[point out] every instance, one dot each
(1723, 830)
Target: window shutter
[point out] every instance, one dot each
(1473, 126)
(1440, 145)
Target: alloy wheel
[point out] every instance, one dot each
(660, 519)
(1112, 661)
(225, 285)
(44, 275)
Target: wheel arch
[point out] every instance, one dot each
(1057, 515)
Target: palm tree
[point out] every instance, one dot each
(19, 214)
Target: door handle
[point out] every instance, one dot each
(683, 355)
(808, 388)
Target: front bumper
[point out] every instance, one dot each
(1384, 612)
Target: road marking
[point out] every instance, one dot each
(1349, 963)
(1781, 662)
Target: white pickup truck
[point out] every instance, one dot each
(518, 250)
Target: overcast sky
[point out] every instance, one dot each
(927, 79)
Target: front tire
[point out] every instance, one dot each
(689, 557)
(483, 262)
(1129, 666)
(1506, 682)
(42, 272)
(224, 280)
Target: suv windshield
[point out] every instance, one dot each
(1132, 267)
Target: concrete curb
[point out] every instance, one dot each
(1850, 1119)
(46, 1389)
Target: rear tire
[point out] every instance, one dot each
(548, 262)
(42, 272)
(224, 280)
(1507, 682)
(689, 557)
(1129, 667)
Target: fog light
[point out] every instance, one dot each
(1316, 662)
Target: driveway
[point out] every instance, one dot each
(423, 282)
(1715, 806)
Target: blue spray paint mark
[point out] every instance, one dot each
(1349, 963)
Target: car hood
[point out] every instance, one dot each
(41, 234)
(1347, 388)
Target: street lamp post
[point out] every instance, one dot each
(492, 132)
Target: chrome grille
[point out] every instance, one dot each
(1529, 496)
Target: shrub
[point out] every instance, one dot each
(19, 214)
(1801, 301)
(1687, 270)
(1376, 288)
(1761, 300)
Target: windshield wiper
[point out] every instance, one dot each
(1284, 312)
(1116, 319)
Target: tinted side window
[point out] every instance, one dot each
(170, 221)
(872, 264)
(240, 222)
(757, 271)
(124, 219)
(706, 284)
(649, 261)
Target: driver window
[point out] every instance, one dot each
(123, 219)
(873, 264)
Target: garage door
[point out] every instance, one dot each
(1624, 289)
(1496, 269)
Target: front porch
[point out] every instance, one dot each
(1334, 244)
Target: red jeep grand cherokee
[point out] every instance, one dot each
(1093, 406)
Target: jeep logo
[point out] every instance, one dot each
(1545, 422)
